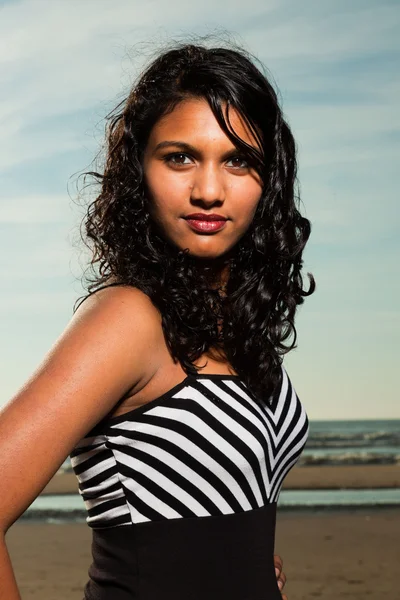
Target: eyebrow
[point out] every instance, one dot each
(189, 148)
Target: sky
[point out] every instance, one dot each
(65, 64)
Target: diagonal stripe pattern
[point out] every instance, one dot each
(207, 448)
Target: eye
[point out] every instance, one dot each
(243, 164)
(175, 158)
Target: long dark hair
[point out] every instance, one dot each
(265, 283)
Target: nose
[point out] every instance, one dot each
(208, 184)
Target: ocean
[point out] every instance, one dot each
(358, 442)
(363, 442)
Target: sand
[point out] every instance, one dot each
(327, 555)
(352, 554)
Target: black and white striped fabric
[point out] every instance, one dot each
(204, 448)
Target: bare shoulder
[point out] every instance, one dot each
(124, 297)
(124, 308)
(130, 323)
(106, 348)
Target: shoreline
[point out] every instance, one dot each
(351, 477)
(78, 517)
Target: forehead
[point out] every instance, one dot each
(193, 121)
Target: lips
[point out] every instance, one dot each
(205, 217)
(205, 226)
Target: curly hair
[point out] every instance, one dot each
(249, 324)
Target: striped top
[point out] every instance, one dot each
(204, 448)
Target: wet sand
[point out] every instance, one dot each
(299, 478)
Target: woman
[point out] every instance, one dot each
(167, 388)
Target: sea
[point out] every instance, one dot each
(334, 443)
(364, 442)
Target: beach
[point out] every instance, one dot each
(327, 554)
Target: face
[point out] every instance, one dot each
(192, 168)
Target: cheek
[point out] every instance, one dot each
(247, 199)
(166, 192)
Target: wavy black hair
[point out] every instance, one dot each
(249, 323)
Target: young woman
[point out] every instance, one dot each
(167, 387)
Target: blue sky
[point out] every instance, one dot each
(64, 65)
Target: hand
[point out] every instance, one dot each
(280, 575)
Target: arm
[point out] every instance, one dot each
(108, 347)
(8, 585)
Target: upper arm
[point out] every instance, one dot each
(107, 347)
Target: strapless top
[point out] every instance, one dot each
(181, 493)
